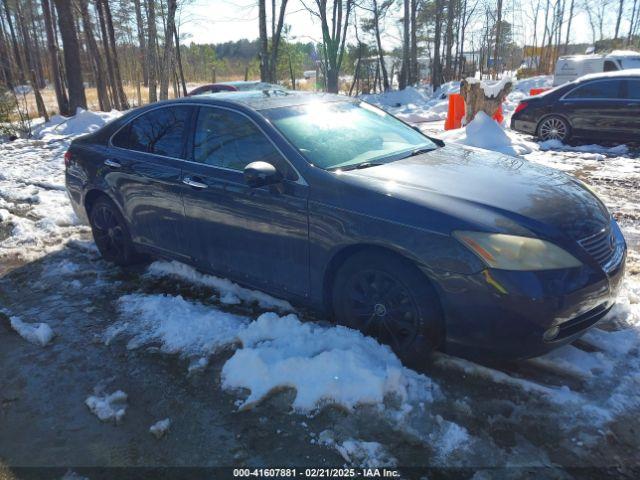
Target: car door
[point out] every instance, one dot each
(145, 159)
(631, 128)
(593, 107)
(259, 235)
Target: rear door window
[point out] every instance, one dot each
(160, 131)
(602, 89)
(633, 89)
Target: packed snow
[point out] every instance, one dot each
(160, 428)
(484, 132)
(108, 407)
(36, 333)
(229, 292)
(359, 453)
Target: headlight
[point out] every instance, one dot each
(511, 252)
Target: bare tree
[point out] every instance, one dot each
(71, 50)
(54, 60)
(151, 49)
(167, 57)
(142, 42)
(95, 57)
(619, 18)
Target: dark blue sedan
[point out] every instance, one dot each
(334, 204)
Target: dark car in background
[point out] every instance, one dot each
(234, 87)
(603, 107)
(334, 204)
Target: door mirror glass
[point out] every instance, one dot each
(259, 174)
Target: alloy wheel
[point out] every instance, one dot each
(108, 232)
(381, 306)
(553, 129)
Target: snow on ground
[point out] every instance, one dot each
(359, 453)
(160, 428)
(36, 333)
(35, 213)
(108, 407)
(416, 105)
(229, 292)
(484, 132)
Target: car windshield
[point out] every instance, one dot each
(335, 135)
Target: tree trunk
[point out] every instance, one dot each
(476, 101)
(413, 79)
(496, 52)
(151, 49)
(14, 42)
(6, 66)
(264, 41)
(566, 42)
(405, 73)
(620, 10)
(376, 27)
(183, 83)
(436, 71)
(54, 60)
(122, 97)
(142, 42)
(71, 51)
(449, 40)
(167, 57)
(42, 110)
(96, 59)
(275, 41)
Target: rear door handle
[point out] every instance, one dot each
(112, 163)
(194, 183)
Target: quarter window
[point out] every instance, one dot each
(229, 140)
(159, 131)
(597, 90)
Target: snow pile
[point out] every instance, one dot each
(484, 132)
(230, 293)
(333, 365)
(492, 89)
(36, 333)
(189, 328)
(160, 428)
(83, 122)
(595, 149)
(539, 81)
(359, 453)
(108, 407)
(34, 208)
(410, 104)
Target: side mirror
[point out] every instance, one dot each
(259, 174)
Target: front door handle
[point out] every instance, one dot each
(112, 163)
(193, 183)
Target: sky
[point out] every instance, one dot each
(218, 21)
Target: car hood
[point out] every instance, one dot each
(490, 188)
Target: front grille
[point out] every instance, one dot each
(600, 246)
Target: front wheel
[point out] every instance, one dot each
(387, 297)
(554, 128)
(111, 233)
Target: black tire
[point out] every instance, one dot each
(111, 233)
(554, 127)
(387, 297)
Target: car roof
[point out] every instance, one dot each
(631, 72)
(264, 99)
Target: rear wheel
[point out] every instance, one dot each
(111, 233)
(387, 297)
(554, 128)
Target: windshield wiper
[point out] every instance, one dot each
(420, 151)
(360, 166)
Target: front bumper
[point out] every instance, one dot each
(505, 314)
